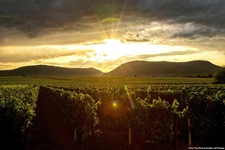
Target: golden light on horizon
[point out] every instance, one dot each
(112, 42)
(107, 34)
(110, 49)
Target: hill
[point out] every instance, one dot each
(163, 68)
(133, 68)
(43, 70)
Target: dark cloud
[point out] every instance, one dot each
(205, 16)
(207, 12)
(31, 16)
(193, 31)
(37, 17)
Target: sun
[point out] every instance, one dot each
(112, 42)
(110, 49)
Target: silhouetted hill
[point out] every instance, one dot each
(138, 68)
(163, 68)
(43, 70)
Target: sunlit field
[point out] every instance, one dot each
(120, 112)
(101, 81)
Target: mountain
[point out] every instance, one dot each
(133, 68)
(43, 70)
(163, 68)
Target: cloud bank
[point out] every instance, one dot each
(198, 24)
(34, 17)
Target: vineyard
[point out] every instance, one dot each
(111, 113)
(17, 110)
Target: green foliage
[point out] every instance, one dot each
(77, 110)
(145, 105)
(218, 115)
(156, 119)
(219, 76)
(199, 109)
(17, 103)
(17, 111)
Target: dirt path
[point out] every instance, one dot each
(48, 132)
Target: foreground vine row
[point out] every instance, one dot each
(122, 116)
(145, 116)
(17, 111)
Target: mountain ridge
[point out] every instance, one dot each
(132, 68)
(45, 70)
(164, 68)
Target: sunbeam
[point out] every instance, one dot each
(129, 97)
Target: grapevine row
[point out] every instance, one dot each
(151, 113)
(17, 111)
(76, 110)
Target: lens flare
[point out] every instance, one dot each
(129, 97)
(114, 104)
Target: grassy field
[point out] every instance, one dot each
(89, 81)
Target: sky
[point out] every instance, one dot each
(103, 34)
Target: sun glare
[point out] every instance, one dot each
(112, 41)
(110, 49)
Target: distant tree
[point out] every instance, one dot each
(210, 75)
(219, 76)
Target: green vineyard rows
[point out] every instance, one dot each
(151, 113)
(17, 111)
(121, 114)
